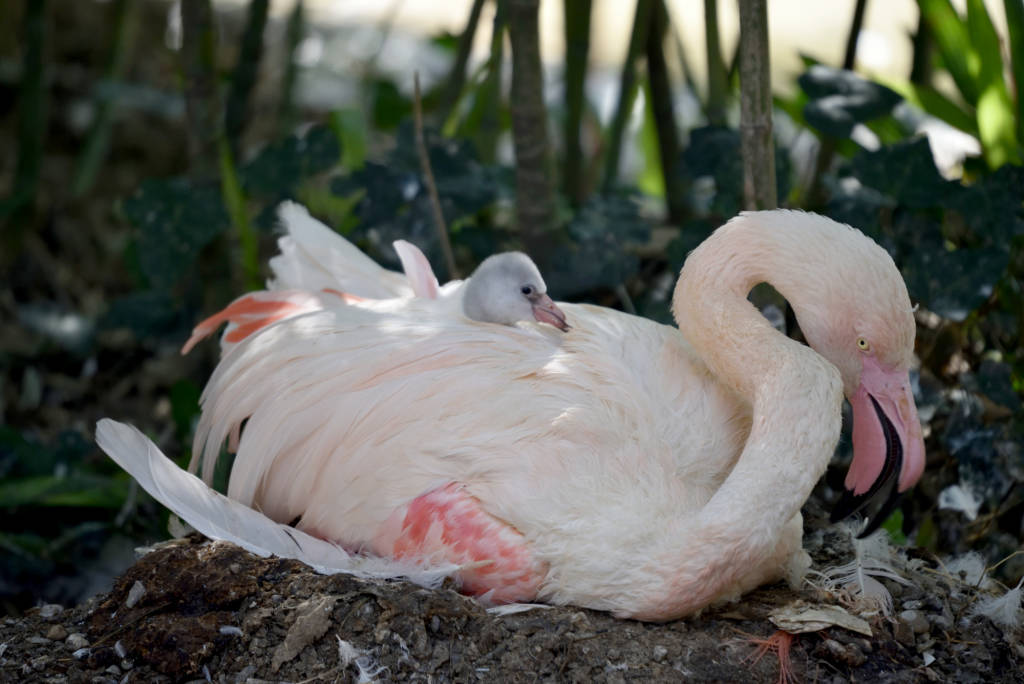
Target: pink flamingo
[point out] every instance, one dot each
(624, 466)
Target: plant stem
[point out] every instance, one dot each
(850, 56)
(718, 78)
(535, 194)
(202, 104)
(577, 47)
(428, 179)
(33, 106)
(236, 115)
(627, 92)
(457, 76)
(293, 36)
(97, 144)
(664, 114)
(756, 107)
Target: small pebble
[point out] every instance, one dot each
(57, 633)
(40, 662)
(76, 641)
(916, 619)
(81, 653)
(38, 640)
(113, 670)
(136, 593)
(903, 632)
(942, 623)
(49, 611)
(659, 653)
(119, 649)
(234, 568)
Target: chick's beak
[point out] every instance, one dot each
(546, 311)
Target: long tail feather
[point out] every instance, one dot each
(219, 517)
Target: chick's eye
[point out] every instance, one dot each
(527, 290)
(863, 345)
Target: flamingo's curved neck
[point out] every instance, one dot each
(794, 393)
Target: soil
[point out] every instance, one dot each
(195, 610)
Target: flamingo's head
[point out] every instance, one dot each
(507, 288)
(865, 326)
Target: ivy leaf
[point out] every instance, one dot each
(281, 166)
(175, 219)
(904, 171)
(600, 232)
(953, 283)
(840, 99)
(993, 207)
(714, 152)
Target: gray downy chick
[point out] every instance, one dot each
(506, 288)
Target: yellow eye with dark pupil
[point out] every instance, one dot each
(862, 344)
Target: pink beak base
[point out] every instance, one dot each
(546, 311)
(888, 449)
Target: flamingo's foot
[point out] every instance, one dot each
(778, 643)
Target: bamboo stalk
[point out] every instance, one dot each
(756, 107)
(577, 47)
(535, 194)
(428, 179)
(627, 91)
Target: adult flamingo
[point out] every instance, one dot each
(624, 466)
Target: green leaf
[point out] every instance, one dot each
(349, 126)
(938, 105)
(149, 314)
(714, 152)
(985, 43)
(991, 208)
(997, 126)
(840, 99)
(75, 490)
(954, 45)
(390, 107)
(184, 406)
(905, 171)
(234, 198)
(175, 219)
(599, 256)
(282, 166)
(953, 283)
(1015, 29)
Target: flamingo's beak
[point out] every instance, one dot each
(546, 311)
(888, 449)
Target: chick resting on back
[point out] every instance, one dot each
(502, 289)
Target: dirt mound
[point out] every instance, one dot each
(198, 610)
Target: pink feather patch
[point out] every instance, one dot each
(449, 524)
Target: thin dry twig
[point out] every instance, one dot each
(428, 179)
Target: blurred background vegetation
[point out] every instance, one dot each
(146, 144)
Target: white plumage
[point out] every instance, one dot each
(631, 471)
